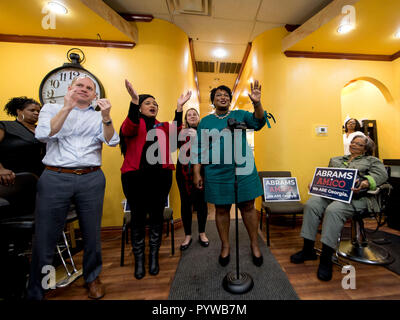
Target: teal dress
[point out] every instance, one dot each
(216, 155)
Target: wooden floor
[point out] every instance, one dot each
(372, 282)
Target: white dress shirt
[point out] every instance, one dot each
(79, 142)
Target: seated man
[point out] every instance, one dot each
(334, 214)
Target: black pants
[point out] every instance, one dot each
(195, 199)
(146, 191)
(55, 190)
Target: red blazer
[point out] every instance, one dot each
(135, 138)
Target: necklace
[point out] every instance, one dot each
(222, 117)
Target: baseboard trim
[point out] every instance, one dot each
(177, 224)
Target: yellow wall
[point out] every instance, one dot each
(302, 94)
(363, 100)
(160, 64)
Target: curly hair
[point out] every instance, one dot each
(18, 103)
(223, 88)
(357, 128)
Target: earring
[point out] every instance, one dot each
(23, 118)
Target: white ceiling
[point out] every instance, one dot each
(231, 24)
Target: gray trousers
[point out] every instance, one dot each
(55, 191)
(333, 214)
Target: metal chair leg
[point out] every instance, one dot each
(123, 245)
(294, 220)
(70, 276)
(63, 261)
(172, 237)
(69, 252)
(261, 218)
(267, 216)
(167, 229)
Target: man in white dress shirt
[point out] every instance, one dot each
(74, 133)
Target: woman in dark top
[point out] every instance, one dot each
(20, 151)
(190, 195)
(147, 172)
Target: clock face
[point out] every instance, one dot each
(56, 83)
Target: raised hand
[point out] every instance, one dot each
(105, 108)
(182, 100)
(132, 92)
(71, 99)
(255, 94)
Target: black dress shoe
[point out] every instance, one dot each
(185, 246)
(302, 256)
(203, 243)
(224, 261)
(258, 261)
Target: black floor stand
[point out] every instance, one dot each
(237, 282)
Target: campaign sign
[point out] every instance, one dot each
(334, 183)
(281, 189)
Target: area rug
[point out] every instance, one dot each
(199, 276)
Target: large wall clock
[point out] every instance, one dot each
(55, 84)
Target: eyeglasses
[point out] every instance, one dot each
(358, 144)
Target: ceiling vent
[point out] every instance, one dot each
(229, 67)
(196, 7)
(217, 67)
(205, 66)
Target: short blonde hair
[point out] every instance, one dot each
(83, 77)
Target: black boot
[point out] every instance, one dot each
(325, 263)
(154, 244)
(308, 253)
(138, 246)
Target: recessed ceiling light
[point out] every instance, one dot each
(397, 34)
(57, 7)
(220, 53)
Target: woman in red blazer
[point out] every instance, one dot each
(147, 171)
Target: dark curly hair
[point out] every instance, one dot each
(224, 88)
(18, 103)
(357, 128)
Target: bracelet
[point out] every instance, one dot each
(257, 104)
(107, 123)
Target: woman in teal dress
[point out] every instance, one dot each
(219, 168)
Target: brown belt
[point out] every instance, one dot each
(75, 171)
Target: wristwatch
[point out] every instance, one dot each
(107, 123)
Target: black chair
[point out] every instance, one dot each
(359, 248)
(17, 222)
(168, 219)
(281, 207)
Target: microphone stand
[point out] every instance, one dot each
(237, 282)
